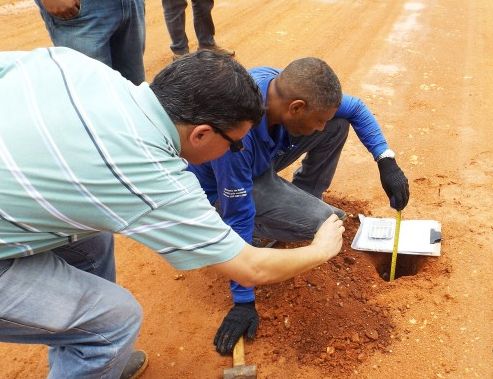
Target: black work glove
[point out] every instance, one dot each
(394, 182)
(243, 317)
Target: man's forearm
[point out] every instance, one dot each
(256, 266)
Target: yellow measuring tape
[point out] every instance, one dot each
(396, 245)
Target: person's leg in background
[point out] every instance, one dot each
(89, 322)
(204, 26)
(90, 32)
(203, 23)
(128, 42)
(294, 211)
(174, 15)
(87, 32)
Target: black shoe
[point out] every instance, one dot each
(135, 366)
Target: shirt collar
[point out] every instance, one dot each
(154, 111)
(262, 128)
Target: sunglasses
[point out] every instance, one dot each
(234, 146)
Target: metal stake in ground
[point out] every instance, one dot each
(396, 245)
(239, 369)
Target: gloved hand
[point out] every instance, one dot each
(243, 317)
(394, 182)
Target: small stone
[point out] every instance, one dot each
(372, 334)
(339, 346)
(330, 350)
(287, 323)
(179, 277)
(349, 260)
(355, 337)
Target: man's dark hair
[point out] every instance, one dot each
(207, 87)
(311, 80)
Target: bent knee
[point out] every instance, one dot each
(127, 309)
(321, 214)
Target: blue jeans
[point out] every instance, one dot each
(111, 31)
(66, 299)
(293, 211)
(174, 15)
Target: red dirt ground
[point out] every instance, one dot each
(426, 71)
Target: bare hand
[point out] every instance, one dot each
(64, 9)
(329, 236)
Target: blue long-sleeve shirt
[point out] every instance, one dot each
(229, 179)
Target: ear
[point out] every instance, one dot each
(200, 135)
(296, 107)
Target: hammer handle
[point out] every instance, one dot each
(239, 353)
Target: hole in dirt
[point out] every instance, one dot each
(406, 265)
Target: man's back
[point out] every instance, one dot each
(79, 154)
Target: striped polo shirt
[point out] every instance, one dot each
(83, 150)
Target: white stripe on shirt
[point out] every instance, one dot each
(138, 139)
(97, 140)
(21, 225)
(33, 192)
(167, 224)
(57, 155)
(27, 248)
(211, 241)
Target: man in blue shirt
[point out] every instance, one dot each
(306, 112)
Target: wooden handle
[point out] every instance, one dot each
(239, 353)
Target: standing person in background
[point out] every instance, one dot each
(174, 15)
(111, 31)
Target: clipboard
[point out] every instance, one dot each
(417, 237)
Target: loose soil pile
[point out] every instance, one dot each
(329, 317)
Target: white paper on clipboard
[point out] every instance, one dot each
(416, 237)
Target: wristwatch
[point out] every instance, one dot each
(386, 154)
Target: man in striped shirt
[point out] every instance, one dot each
(85, 153)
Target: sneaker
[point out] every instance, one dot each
(218, 49)
(135, 366)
